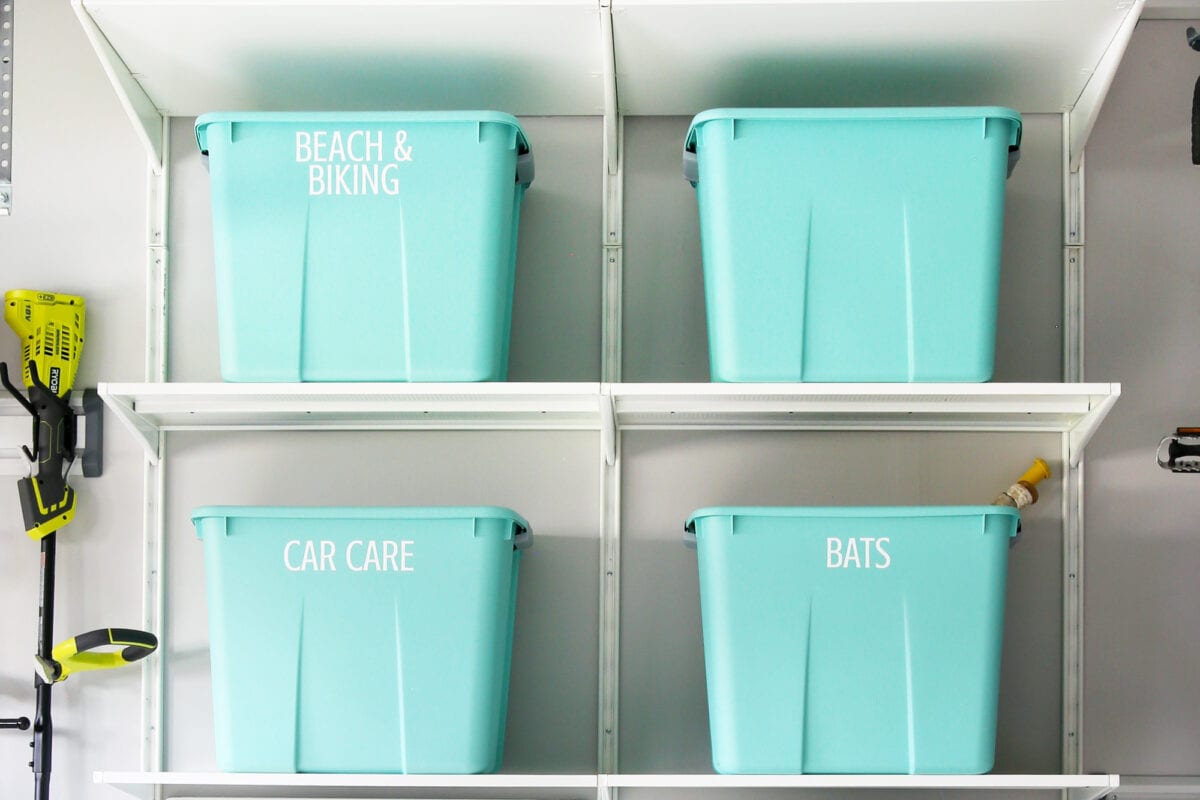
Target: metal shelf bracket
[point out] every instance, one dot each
(1081, 434)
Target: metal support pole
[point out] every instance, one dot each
(610, 368)
(153, 519)
(1072, 480)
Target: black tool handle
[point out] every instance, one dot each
(47, 501)
(43, 726)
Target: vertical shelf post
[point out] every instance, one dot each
(1072, 479)
(153, 478)
(610, 369)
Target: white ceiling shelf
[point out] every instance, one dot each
(679, 56)
(195, 56)
(1073, 408)
(568, 787)
(572, 57)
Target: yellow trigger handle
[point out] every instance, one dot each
(75, 654)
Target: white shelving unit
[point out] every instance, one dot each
(170, 58)
(588, 787)
(151, 409)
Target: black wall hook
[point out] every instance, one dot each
(14, 391)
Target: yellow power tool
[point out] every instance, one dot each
(50, 327)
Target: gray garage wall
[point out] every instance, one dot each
(1143, 289)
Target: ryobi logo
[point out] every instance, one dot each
(862, 553)
(359, 556)
(352, 163)
(54, 373)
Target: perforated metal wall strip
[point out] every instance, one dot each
(6, 104)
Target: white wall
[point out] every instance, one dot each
(78, 226)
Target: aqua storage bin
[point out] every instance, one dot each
(851, 244)
(360, 639)
(365, 246)
(853, 640)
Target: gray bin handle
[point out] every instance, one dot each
(523, 539)
(689, 537)
(691, 167)
(525, 168)
(1014, 155)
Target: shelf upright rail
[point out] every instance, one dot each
(154, 470)
(610, 369)
(7, 37)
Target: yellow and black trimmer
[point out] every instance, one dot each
(50, 327)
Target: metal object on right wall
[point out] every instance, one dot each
(1180, 451)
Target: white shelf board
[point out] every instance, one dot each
(177, 784)
(148, 408)
(520, 56)
(1080, 787)
(142, 784)
(682, 56)
(847, 406)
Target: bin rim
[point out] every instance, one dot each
(849, 512)
(362, 512)
(351, 117)
(843, 114)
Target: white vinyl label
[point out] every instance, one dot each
(369, 555)
(857, 553)
(362, 162)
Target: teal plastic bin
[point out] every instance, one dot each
(851, 244)
(365, 247)
(361, 639)
(853, 640)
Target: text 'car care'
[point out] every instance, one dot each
(857, 553)
(359, 556)
(353, 163)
